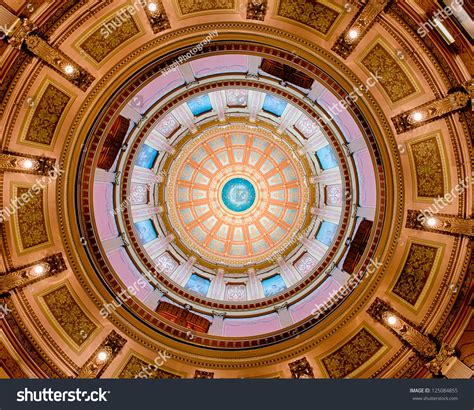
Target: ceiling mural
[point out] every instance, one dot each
(235, 189)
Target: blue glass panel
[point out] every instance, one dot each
(238, 194)
(274, 105)
(273, 285)
(146, 157)
(146, 231)
(198, 284)
(200, 105)
(326, 232)
(326, 157)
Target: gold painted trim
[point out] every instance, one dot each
(29, 117)
(81, 40)
(180, 16)
(339, 10)
(429, 281)
(390, 50)
(355, 373)
(92, 339)
(132, 353)
(442, 152)
(16, 225)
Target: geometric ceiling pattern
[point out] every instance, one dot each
(282, 191)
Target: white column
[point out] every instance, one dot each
(217, 325)
(288, 271)
(183, 272)
(101, 175)
(366, 212)
(217, 287)
(131, 114)
(340, 276)
(254, 288)
(315, 142)
(284, 316)
(112, 244)
(254, 63)
(153, 299)
(255, 102)
(357, 145)
(313, 248)
(159, 142)
(453, 368)
(218, 102)
(187, 72)
(157, 246)
(288, 118)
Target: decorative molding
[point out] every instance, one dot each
(70, 317)
(113, 32)
(158, 19)
(109, 348)
(22, 34)
(42, 124)
(29, 164)
(400, 326)
(256, 9)
(395, 79)
(318, 15)
(301, 369)
(135, 365)
(420, 262)
(443, 223)
(348, 358)
(428, 167)
(186, 7)
(458, 99)
(360, 25)
(30, 221)
(29, 274)
(200, 374)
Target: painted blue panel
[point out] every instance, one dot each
(273, 285)
(200, 105)
(326, 232)
(198, 284)
(326, 157)
(146, 157)
(146, 231)
(274, 105)
(238, 194)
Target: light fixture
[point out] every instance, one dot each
(353, 34)
(152, 7)
(391, 320)
(417, 116)
(102, 356)
(38, 269)
(431, 222)
(69, 69)
(27, 164)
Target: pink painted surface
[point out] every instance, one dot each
(128, 273)
(157, 89)
(343, 119)
(103, 208)
(219, 65)
(251, 327)
(365, 173)
(319, 297)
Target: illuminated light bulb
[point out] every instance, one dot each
(431, 221)
(69, 69)
(391, 320)
(102, 356)
(417, 116)
(38, 269)
(353, 34)
(152, 7)
(27, 164)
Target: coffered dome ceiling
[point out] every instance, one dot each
(243, 194)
